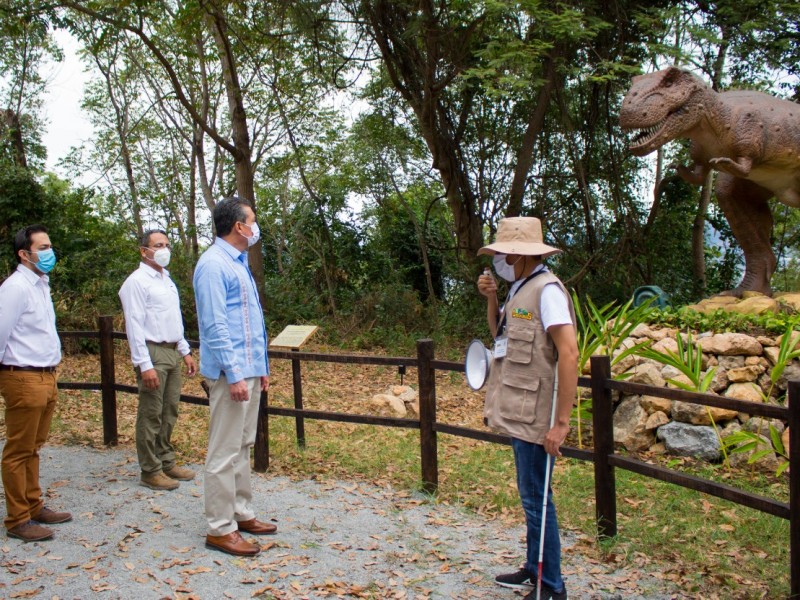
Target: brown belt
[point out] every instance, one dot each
(37, 369)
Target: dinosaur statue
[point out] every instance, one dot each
(752, 139)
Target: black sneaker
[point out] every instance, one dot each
(547, 594)
(521, 580)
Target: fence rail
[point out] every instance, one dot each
(602, 455)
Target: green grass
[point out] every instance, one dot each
(710, 547)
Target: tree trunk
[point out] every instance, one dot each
(243, 167)
(532, 131)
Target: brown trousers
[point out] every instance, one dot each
(30, 401)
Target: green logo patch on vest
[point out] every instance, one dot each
(521, 313)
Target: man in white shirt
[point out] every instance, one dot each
(30, 351)
(154, 327)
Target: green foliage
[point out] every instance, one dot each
(688, 360)
(721, 321)
(603, 331)
(748, 441)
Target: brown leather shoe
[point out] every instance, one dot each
(233, 543)
(158, 481)
(30, 532)
(51, 517)
(257, 527)
(179, 473)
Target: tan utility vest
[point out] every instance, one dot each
(519, 395)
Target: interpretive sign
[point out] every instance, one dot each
(293, 336)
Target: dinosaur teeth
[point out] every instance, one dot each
(648, 133)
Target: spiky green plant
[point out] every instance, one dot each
(749, 441)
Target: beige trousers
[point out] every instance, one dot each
(231, 434)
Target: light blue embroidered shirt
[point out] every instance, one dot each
(233, 338)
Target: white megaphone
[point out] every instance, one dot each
(477, 363)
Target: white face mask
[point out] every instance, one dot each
(256, 234)
(503, 269)
(161, 257)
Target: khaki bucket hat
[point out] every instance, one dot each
(519, 235)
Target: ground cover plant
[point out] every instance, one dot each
(711, 548)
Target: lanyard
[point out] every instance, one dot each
(502, 324)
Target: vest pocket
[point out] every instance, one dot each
(520, 345)
(518, 399)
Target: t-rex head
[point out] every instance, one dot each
(664, 106)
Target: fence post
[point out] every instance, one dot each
(793, 403)
(603, 432)
(107, 381)
(297, 385)
(427, 416)
(261, 448)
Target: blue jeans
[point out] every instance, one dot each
(531, 462)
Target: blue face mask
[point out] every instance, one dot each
(47, 260)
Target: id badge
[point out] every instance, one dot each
(500, 346)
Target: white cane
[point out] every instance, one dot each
(544, 495)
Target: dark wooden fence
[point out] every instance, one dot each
(602, 455)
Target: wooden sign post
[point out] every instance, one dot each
(294, 336)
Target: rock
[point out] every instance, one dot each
(656, 420)
(744, 391)
(765, 383)
(658, 448)
(772, 353)
(768, 463)
(758, 361)
(766, 341)
(646, 373)
(409, 395)
(698, 441)
(629, 426)
(391, 401)
(789, 298)
(697, 414)
(729, 344)
(399, 390)
(730, 428)
(761, 425)
(720, 380)
(653, 404)
(790, 373)
(666, 345)
(745, 374)
(682, 379)
(641, 330)
(754, 306)
(730, 362)
(795, 337)
(670, 372)
(785, 440)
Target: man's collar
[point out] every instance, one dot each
(32, 276)
(234, 252)
(151, 271)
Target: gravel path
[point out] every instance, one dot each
(335, 539)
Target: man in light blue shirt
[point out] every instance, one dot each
(233, 359)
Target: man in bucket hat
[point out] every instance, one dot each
(535, 364)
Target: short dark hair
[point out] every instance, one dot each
(144, 241)
(227, 213)
(22, 241)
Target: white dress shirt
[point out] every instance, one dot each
(152, 313)
(28, 336)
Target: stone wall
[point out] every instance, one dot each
(743, 366)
